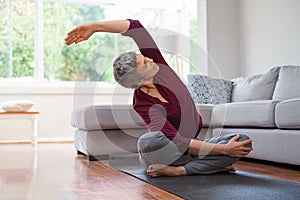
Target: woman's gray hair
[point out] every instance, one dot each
(125, 72)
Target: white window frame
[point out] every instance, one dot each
(38, 78)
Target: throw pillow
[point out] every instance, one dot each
(17, 106)
(208, 90)
(257, 87)
(288, 83)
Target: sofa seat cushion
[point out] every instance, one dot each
(106, 117)
(245, 114)
(287, 114)
(205, 111)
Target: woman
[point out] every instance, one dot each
(170, 147)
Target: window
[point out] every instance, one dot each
(32, 36)
(85, 62)
(17, 38)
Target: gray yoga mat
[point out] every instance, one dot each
(220, 186)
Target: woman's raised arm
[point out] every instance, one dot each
(85, 31)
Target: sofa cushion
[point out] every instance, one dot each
(287, 114)
(258, 87)
(205, 111)
(245, 114)
(288, 83)
(106, 117)
(208, 90)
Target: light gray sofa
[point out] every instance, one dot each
(266, 107)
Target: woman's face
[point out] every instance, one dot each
(146, 68)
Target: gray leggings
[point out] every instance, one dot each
(156, 148)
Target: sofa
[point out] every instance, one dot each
(266, 107)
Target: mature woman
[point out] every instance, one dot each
(170, 147)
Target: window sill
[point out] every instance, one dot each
(12, 87)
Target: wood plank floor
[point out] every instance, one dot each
(54, 171)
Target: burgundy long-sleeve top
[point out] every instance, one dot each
(177, 119)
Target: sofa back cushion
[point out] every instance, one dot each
(257, 87)
(209, 90)
(288, 83)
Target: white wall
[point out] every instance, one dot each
(247, 37)
(55, 105)
(223, 38)
(269, 34)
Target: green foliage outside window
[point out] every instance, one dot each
(82, 62)
(87, 61)
(22, 38)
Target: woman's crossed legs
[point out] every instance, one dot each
(161, 157)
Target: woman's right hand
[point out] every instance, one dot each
(84, 32)
(79, 34)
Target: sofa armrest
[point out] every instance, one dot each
(103, 117)
(205, 110)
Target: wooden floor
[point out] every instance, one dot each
(54, 171)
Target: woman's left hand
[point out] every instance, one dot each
(237, 149)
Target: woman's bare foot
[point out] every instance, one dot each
(230, 168)
(157, 170)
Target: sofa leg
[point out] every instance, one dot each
(80, 153)
(91, 158)
(97, 157)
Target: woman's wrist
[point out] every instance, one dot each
(198, 147)
(95, 27)
(213, 149)
(220, 148)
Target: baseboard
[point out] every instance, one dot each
(271, 163)
(55, 140)
(40, 140)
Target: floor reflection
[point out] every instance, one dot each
(42, 172)
(56, 172)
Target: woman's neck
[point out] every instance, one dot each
(148, 88)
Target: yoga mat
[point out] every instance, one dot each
(220, 186)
